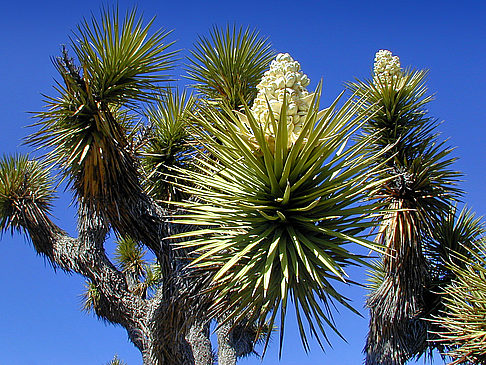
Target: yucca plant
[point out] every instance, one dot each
(118, 160)
(152, 280)
(453, 239)
(90, 298)
(461, 325)
(130, 257)
(227, 65)
(26, 188)
(116, 361)
(168, 143)
(142, 277)
(87, 128)
(280, 200)
(457, 306)
(416, 192)
(273, 191)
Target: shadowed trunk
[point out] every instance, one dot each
(397, 330)
(165, 328)
(226, 351)
(198, 338)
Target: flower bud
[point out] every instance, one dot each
(276, 106)
(292, 109)
(280, 82)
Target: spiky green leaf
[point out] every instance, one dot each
(227, 66)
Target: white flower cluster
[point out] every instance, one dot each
(386, 66)
(284, 76)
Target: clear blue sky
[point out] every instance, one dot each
(40, 318)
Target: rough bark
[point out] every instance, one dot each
(169, 328)
(85, 255)
(226, 351)
(198, 338)
(397, 331)
(235, 340)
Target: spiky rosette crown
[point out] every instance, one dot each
(460, 327)
(130, 257)
(395, 102)
(278, 218)
(227, 65)
(89, 128)
(457, 307)
(25, 191)
(167, 144)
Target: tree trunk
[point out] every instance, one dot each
(169, 328)
(226, 352)
(198, 338)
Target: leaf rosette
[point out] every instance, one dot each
(26, 191)
(277, 216)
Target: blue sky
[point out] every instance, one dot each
(40, 317)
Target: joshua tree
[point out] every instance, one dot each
(456, 320)
(116, 166)
(281, 193)
(416, 192)
(246, 194)
(262, 183)
(422, 294)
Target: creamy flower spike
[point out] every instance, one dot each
(386, 67)
(284, 76)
